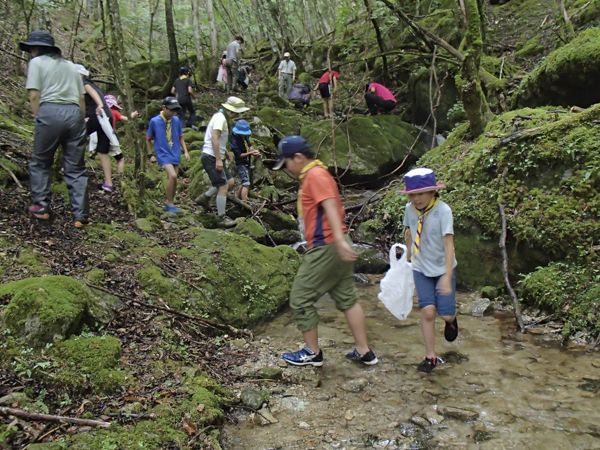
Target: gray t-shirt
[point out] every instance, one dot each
(56, 78)
(232, 50)
(431, 259)
(287, 66)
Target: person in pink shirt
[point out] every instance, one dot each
(379, 99)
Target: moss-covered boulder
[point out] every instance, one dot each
(286, 121)
(371, 261)
(567, 76)
(48, 310)
(279, 221)
(89, 365)
(241, 282)
(377, 145)
(271, 99)
(547, 176)
(420, 106)
(286, 237)
(252, 229)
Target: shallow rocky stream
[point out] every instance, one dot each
(497, 389)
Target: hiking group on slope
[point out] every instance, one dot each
(68, 106)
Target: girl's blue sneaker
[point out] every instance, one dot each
(172, 209)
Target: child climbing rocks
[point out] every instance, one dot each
(165, 130)
(213, 153)
(242, 150)
(114, 150)
(430, 244)
(328, 266)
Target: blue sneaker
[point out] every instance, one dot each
(172, 209)
(368, 358)
(304, 357)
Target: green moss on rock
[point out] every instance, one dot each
(567, 76)
(376, 144)
(252, 229)
(47, 310)
(89, 365)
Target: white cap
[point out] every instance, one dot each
(286, 54)
(82, 70)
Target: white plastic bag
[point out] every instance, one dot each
(398, 285)
(108, 129)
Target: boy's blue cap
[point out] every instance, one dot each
(242, 127)
(288, 147)
(420, 180)
(171, 103)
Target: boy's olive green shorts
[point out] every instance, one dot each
(322, 271)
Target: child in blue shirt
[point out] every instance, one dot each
(430, 246)
(165, 129)
(241, 146)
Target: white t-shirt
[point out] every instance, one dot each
(218, 122)
(287, 66)
(431, 259)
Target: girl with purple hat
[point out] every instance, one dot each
(241, 146)
(430, 244)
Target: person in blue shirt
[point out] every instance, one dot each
(166, 132)
(241, 146)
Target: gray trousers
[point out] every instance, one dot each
(58, 124)
(285, 85)
(231, 66)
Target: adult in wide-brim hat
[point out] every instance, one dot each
(235, 104)
(39, 38)
(55, 92)
(420, 180)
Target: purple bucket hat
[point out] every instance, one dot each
(420, 180)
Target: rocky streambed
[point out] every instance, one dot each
(497, 388)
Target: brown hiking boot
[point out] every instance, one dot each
(226, 222)
(203, 201)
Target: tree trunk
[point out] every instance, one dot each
(262, 17)
(212, 25)
(173, 54)
(307, 19)
(196, 29)
(474, 101)
(121, 72)
(380, 43)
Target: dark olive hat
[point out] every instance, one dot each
(38, 38)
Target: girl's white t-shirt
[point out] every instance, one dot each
(217, 122)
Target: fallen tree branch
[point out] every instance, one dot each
(13, 54)
(513, 296)
(12, 175)
(204, 322)
(50, 418)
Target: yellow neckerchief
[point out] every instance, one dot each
(183, 77)
(421, 219)
(168, 123)
(305, 170)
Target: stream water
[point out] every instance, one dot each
(513, 391)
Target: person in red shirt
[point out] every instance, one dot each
(111, 102)
(379, 99)
(324, 87)
(328, 266)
